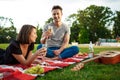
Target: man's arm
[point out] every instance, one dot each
(65, 42)
(43, 39)
(45, 36)
(64, 45)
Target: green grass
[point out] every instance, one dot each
(91, 70)
(3, 46)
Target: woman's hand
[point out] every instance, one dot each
(41, 52)
(37, 61)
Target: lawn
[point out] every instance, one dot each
(91, 70)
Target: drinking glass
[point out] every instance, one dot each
(50, 29)
(43, 57)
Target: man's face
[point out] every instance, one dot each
(57, 15)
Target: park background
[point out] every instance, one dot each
(88, 20)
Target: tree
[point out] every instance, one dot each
(7, 32)
(116, 27)
(75, 29)
(97, 20)
(39, 33)
(3, 21)
(92, 23)
(50, 20)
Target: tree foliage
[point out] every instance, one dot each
(87, 25)
(91, 23)
(116, 27)
(50, 20)
(39, 33)
(7, 33)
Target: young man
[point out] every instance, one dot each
(56, 36)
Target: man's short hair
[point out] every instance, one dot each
(57, 7)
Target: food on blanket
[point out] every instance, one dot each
(85, 54)
(78, 67)
(82, 54)
(35, 70)
(79, 54)
(45, 64)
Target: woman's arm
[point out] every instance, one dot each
(31, 57)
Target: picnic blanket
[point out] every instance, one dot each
(16, 72)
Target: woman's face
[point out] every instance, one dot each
(33, 36)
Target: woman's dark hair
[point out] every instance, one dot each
(24, 34)
(57, 7)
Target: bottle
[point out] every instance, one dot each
(91, 50)
(44, 45)
(1, 76)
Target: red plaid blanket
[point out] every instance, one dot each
(15, 72)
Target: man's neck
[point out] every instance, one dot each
(57, 24)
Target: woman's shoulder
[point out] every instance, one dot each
(31, 46)
(14, 43)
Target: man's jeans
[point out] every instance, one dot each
(66, 53)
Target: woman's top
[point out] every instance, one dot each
(13, 48)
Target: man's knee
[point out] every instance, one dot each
(75, 49)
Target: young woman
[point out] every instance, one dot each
(20, 50)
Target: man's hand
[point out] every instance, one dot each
(57, 52)
(47, 34)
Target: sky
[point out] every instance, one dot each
(36, 12)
